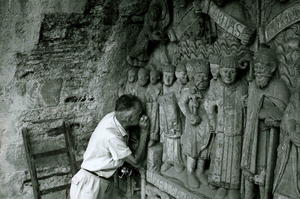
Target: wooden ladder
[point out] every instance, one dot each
(33, 157)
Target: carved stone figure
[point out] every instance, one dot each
(268, 98)
(170, 122)
(154, 90)
(130, 85)
(225, 107)
(214, 63)
(155, 23)
(181, 78)
(287, 182)
(233, 27)
(141, 84)
(195, 139)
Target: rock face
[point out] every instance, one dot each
(59, 62)
(217, 112)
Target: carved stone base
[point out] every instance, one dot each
(175, 188)
(153, 193)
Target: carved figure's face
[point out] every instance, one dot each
(220, 3)
(263, 73)
(201, 80)
(154, 77)
(168, 78)
(262, 81)
(182, 77)
(215, 70)
(143, 78)
(228, 75)
(131, 76)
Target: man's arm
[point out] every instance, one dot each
(134, 159)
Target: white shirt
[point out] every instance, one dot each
(107, 147)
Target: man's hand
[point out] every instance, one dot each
(144, 123)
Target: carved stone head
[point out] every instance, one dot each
(132, 75)
(265, 64)
(181, 74)
(228, 69)
(199, 73)
(143, 77)
(168, 75)
(214, 63)
(155, 76)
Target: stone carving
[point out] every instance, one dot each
(286, 183)
(170, 122)
(130, 85)
(141, 84)
(154, 90)
(195, 139)
(233, 29)
(267, 100)
(289, 53)
(214, 64)
(215, 112)
(156, 21)
(226, 112)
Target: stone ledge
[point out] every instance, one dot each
(172, 188)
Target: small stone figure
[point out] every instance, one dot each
(226, 112)
(287, 182)
(153, 91)
(195, 139)
(131, 82)
(181, 78)
(141, 84)
(170, 122)
(214, 63)
(268, 98)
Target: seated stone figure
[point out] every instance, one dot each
(195, 139)
(225, 110)
(170, 122)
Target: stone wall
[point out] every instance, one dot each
(59, 62)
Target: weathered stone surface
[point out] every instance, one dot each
(50, 91)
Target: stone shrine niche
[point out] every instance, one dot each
(221, 89)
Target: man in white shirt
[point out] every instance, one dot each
(107, 149)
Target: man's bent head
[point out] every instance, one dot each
(128, 110)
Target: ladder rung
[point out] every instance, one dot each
(53, 175)
(50, 153)
(54, 189)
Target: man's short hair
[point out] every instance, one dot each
(126, 102)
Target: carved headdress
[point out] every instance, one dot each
(197, 66)
(214, 59)
(229, 62)
(168, 68)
